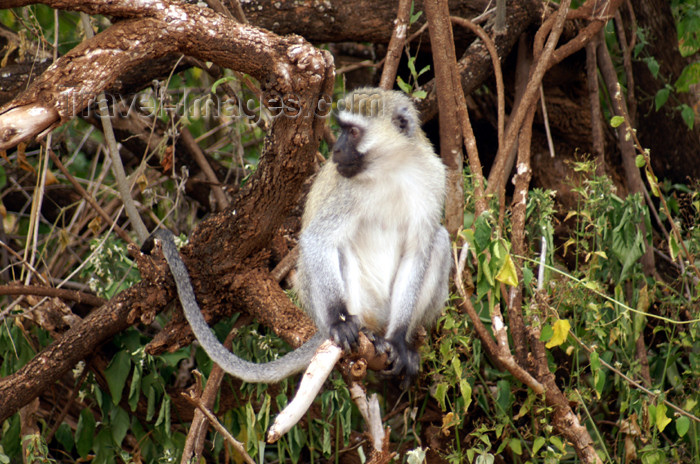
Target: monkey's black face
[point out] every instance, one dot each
(348, 160)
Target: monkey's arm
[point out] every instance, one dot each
(321, 283)
(292, 363)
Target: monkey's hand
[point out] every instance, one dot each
(403, 360)
(345, 331)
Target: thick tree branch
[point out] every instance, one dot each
(165, 27)
(444, 59)
(396, 44)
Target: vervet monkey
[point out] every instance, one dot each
(373, 253)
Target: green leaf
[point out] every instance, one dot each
(482, 234)
(599, 379)
(561, 332)
(414, 17)
(120, 425)
(499, 250)
(661, 98)
(682, 426)
(440, 395)
(135, 386)
(653, 182)
(466, 390)
(84, 432)
(661, 420)
(221, 81)
(151, 404)
(117, 373)
(673, 246)
(639, 161)
(653, 65)
(164, 415)
(65, 437)
(403, 85)
(508, 274)
(537, 444)
(411, 64)
(485, 266)
(546, 333)
(11, 433)
(526, 405)
(616, 121)
(516, 446)
(595, 369)
(504, 397)
(103, 446)
(689, 76)
(688, 116)
(556, 441)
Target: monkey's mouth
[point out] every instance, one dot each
(349, 170)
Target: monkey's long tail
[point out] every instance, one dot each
(270, 372)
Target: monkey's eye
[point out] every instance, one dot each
(354, 132)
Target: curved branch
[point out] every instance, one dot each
(163, 27)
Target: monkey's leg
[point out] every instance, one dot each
(430, 290)
(435, 286)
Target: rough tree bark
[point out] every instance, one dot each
(444, 60)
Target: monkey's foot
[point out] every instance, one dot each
(403, 360)
(345, 331)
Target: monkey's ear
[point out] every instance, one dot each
(404, 121)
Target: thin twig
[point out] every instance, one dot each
(68, 402)
(35, 216)
(503, 359)
(634, 383)
(220, 428)
(201, 160)
(194, 443)
(98, 209)
(23, 261)
(627, 65)
(547, 129)
(62, 293)
(117, 166)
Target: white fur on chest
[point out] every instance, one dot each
(376, 242)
